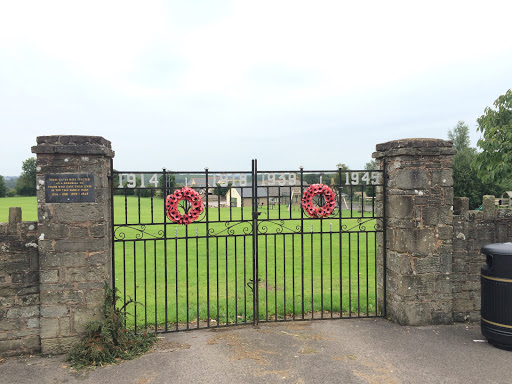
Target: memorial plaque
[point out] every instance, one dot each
(70, 188)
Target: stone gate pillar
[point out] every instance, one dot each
(74, 228)
(419, 204)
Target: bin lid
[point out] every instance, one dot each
(502, 249)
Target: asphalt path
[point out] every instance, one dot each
(333, 351)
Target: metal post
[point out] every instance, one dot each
(384, 230)
(111, 180)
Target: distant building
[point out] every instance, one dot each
(267, 195)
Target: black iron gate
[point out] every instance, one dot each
(253, 254)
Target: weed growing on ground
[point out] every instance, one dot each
(108, 341)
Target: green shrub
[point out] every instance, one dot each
(108, 341)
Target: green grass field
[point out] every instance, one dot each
(314, 272)
(300, 271)
(28, 206)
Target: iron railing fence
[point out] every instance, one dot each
(253, 254)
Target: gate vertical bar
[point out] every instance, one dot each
(340, 239)
(165, 255)
(256, 312)
(187, 298)
(207, 253)
(302, 240)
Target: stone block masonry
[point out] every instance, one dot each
(19, 286)
(419, 199)
(74, 239)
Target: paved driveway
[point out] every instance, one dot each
(338, 351)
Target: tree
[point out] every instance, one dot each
(466, 181)
(220, 190)
(3, 187)
(371, 166)
(26, 183)
(495, 160)
(312, 178)
(460, 136)
(10, 182)
(337, 180)
(169, 186)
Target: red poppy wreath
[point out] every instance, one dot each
(310, 208)
(171, 205)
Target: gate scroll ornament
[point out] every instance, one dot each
(310, 208)
(171, 206)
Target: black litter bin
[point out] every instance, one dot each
(496, 279)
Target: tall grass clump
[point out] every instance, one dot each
(108, 341)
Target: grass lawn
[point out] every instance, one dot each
(28, 206)
(191, 278)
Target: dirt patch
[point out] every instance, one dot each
(299, 326)
(145, 379)
(345, 358)
(241, 349)
(371, 371)
(284, 374)
(270, 287)
(307, 350)
(378, 375)
(306, 336)
(170, 346)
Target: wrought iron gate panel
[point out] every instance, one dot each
(253, 255)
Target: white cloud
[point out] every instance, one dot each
(99, 39)
(247, 78)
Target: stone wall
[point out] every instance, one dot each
(471, 231)
(19, 286)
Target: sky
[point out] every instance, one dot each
(215, 83)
